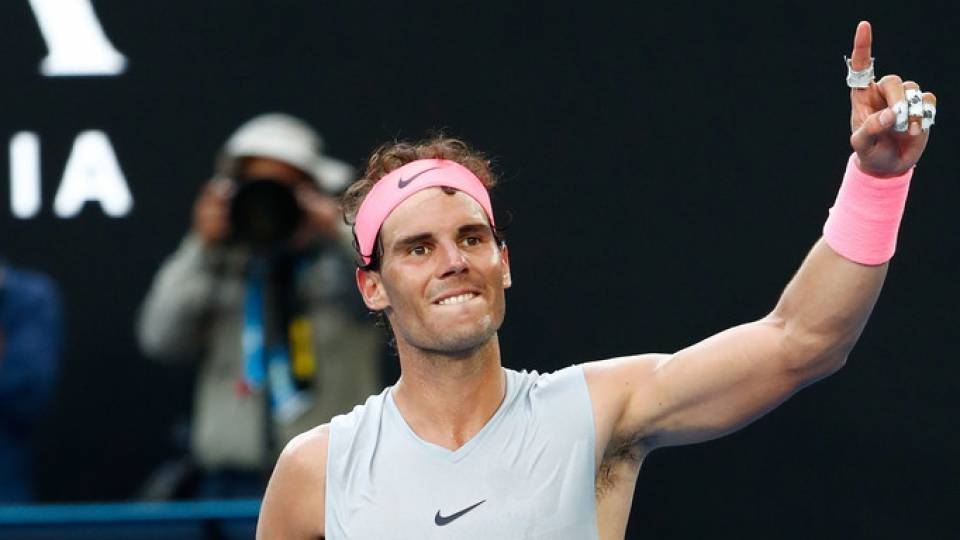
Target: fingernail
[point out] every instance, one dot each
(914, 128)
(887, 116)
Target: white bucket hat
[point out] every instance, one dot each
(290, 140)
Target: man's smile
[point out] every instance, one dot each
(456, 295)
(458, 299)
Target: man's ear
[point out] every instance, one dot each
(505, 264)
(371, 289)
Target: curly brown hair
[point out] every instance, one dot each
(391, 156)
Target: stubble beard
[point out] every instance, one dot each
(459, 345)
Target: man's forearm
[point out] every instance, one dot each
(824, 308)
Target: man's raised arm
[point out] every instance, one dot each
(732, 378)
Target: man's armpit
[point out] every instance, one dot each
(620, 463)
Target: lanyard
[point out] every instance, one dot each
(286, 367)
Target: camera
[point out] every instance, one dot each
(264, 213)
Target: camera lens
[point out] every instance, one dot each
(264, 213)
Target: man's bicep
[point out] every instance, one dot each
(704, 391)
(294, 503)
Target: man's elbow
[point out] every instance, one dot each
(826, 365)
(812, 357)
(161, 346)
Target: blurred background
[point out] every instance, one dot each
(666, 167)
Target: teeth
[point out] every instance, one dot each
(459, 299)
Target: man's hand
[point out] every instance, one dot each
(211, 211)
(881, 150)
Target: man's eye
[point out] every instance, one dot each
(472, 241)
(419, 250)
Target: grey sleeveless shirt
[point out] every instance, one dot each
(528, 474)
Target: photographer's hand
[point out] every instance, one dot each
(321, 216)
(211, 211)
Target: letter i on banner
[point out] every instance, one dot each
(25, 175)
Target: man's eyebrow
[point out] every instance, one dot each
(472, 228)
(475, 228)
(407, 241)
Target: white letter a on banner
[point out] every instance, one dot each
(75, 40)
(92, 174)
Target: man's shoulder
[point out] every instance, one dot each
(30, 285)
(28, 294)
(309, 441)
(559, 381)
(350, 421)
(557, 397)
(306, 454)
(295, 501)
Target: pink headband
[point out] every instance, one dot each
(399, 184)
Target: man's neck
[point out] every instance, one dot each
(447, 400)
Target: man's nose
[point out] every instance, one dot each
(453, 261)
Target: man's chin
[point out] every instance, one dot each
(462, 346)
(458, 340)
(456, 344)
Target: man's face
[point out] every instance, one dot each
(442, 275)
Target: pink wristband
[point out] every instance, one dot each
(864, 221)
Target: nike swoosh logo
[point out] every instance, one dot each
(443, 520)
(401, 183)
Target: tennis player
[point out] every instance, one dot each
(461, 447)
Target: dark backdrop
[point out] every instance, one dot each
(667, 166)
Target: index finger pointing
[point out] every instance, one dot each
(860, 58)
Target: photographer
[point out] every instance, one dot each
(260, 291)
